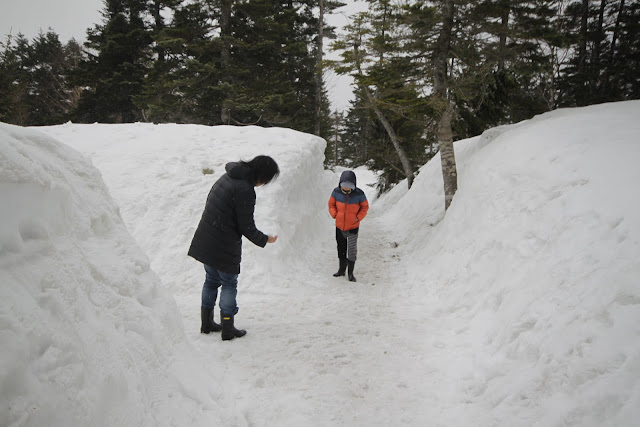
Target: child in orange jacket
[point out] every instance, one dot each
(348, 205)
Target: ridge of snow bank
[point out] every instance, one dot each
(539, 254)
(87, 333)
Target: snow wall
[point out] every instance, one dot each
(88, 334)
(539, 257)
(164, 206)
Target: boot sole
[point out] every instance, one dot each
(232, 337)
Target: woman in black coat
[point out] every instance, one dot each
(217, 243)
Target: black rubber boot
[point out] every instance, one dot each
(342, 269)
(229, 332)
(351, 276)
(208, 325)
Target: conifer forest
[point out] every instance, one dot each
(425, 73)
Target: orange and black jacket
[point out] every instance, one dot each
(348, 209)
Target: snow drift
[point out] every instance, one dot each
(88, 334)
(536, 264)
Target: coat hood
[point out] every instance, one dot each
(239, 170)
(348, 176)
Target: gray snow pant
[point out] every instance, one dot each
(347, 244)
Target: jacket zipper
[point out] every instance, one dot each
(344, 219)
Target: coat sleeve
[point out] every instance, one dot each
(245, 202)
(364, 208)
(333, 209)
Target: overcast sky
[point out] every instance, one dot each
(71, 19)
(68, 18)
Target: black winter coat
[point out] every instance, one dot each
(227, 216)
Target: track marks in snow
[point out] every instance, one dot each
(329, 350)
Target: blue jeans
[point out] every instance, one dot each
(213, 280)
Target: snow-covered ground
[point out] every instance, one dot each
(519, 307)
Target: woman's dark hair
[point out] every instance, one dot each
(264, 168)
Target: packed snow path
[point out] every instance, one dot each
(322, 350)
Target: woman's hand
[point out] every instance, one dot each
(272, 239)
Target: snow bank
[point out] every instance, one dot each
(161, 176)
(535, 267)
(88, 334)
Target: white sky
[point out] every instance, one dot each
(68, 18)
(71, 19)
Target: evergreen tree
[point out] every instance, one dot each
(177, 78)
(74, 55)
(321, 105)
(119, 54)
(233, 62)
(373, 55)
(14, 81)
(204, 74)
(285, 59)
(153, 91)
(335, 142)
(577, 76)
(482, 63)
(49, 92)
(7, 78)
(604, 50)
(625, 56)
(360, 133)
(515, 71)
(35, 82)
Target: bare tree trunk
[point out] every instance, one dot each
(594, 79)
(612, 52)
(406, 163)
(442, 50)
(616, 31)
(582, 51)
(335, 138)
(502, 50)
(445, 134)
(320, 53)
(447, 157)
(600, 33)
(159, 25)
(225, 57)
